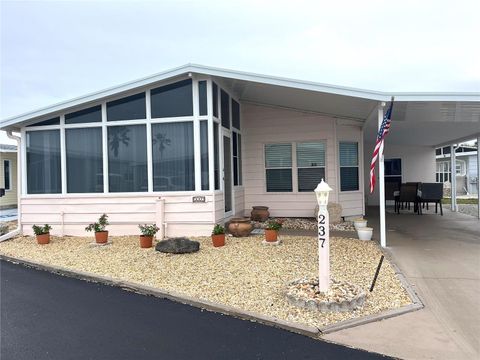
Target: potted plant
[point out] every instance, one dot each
(271, 230)
(101, 235)
(148, 232)
(42, 233)
(218, 235)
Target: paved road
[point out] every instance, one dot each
(46, 316)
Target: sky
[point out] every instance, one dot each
(55, 51)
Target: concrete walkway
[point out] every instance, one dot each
(440, 256)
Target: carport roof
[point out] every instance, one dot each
(458, 113)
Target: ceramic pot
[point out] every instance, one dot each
(43, 239)
(365, 233)
(101, 237)
(218, 240)
(146, 241)
(240, 227)
(259, 213)
(271, 235)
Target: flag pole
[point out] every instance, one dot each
(381, 183)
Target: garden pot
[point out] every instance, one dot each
(146, 241)
(43, 239)
(218, 240)
(271, 235)
(359, 223)
(259, 213)
(240, 227)
(365, 233)
(101, 237)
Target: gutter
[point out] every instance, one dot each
(18, 230)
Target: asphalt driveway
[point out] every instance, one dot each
(47, 316)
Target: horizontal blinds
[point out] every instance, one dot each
(348, 154)
(308, 178)
(349, 178)
(279, 180)
(311, 154)
(278, 155)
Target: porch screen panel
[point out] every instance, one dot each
(6, 174)
(204, 154)
(348, 153)
(235, 157)
(172, 100)
(43, 162)
(92, 114)
(310, 165)
(225, 109)
(84, 160)
(202, 97)
(216, 154)
(128, 108)
(215, 99)
(127, 158)
(278, 164)
(235, 114)
(173, 156)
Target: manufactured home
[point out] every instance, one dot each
(8, 176)
(194, 146)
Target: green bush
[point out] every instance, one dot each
(148, 230)
(100, 225)
(41, 230)
(218, 230)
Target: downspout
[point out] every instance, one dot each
(18, 230)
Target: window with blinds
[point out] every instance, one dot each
(348, 153)
(310, 165)
(278, 166)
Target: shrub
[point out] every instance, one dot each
(100, 225)
(41, 230)
(148, 230)
(218, 230)
(274, 225)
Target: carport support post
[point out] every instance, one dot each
(381, 184)
(478, 175)
(453, 175)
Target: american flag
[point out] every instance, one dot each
(382, 132)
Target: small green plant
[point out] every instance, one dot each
(148, 230)
(41, 230)
(218, 230)
(274, 225)
(100, 225)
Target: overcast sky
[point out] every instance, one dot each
(54, 51)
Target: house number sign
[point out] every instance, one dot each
(323, 249)
(198, 199)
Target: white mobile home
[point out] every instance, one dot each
(195, 145)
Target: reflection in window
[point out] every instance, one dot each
(84, 160)
(127, 158)
(173, 156)
(93, 114)
(215, 99)
(172, 100)
(43, 162)
(128, 108)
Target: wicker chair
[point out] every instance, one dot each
(432, 193)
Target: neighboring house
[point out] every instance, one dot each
(196, 145)
(8, 176)
(466, 168)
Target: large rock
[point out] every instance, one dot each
(334, 212)
(179, 245)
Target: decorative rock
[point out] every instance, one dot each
(334, 212)
(179, 245)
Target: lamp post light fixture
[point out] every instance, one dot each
(322, 192)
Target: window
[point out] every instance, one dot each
(237, 158)
(7, 175)
(443, 171)
(204, 154)
(348, 166)
(225, 109)
(216, 154)
(235, 114)
(84, 160)
(127, 158)
(172, 100)
(43, 162)
(393, 170)
(54, 121)
(310, 165)
(215, 100)
(93, 114)
(173, 159)
(278, 165)
(202, 97)
(128, 108)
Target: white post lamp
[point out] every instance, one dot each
(321, 192)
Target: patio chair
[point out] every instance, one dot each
(432, 193)
(409, 194)
(391, 192)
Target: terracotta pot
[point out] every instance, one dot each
(271, 235)
(218, 240)
(101, 237)
(146, 241)
(43, 239)
(259, 213)
(240, 227)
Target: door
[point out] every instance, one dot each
(227, 175)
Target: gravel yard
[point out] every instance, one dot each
(244, 274)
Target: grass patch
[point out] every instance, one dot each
(460, 201)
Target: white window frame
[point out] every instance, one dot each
(10, 177)
(310, 167)
(339, 167)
